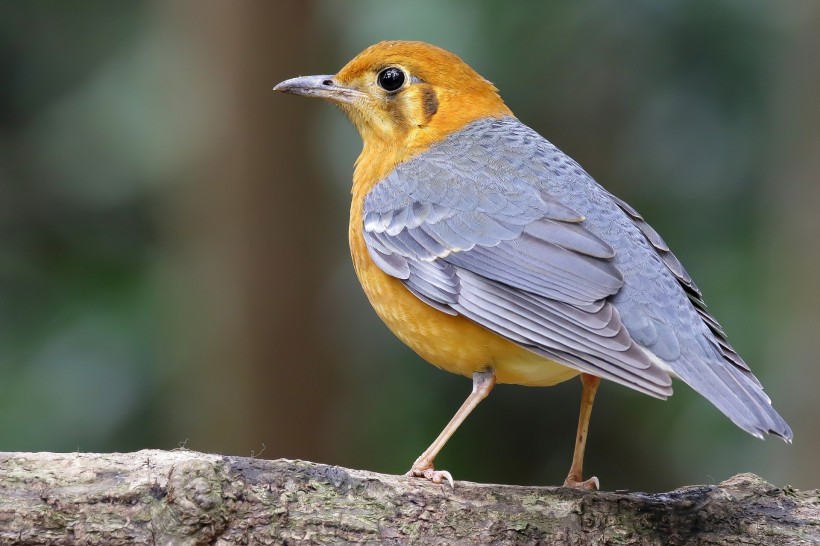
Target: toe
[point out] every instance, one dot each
(438, 476)
(591, 484)
(429, 473)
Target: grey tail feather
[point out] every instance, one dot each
(740, 399)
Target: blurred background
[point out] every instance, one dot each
(174, 267)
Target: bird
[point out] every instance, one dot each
(494, 255)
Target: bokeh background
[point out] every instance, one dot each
(173, 235)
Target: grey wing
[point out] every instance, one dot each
(500, 239)
(511, 258)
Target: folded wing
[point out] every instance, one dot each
(514, 260)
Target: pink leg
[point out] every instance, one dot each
(423, 467)
(576, 476)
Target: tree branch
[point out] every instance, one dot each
(187, 498)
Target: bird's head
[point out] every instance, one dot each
(404, 95)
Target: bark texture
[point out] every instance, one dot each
(187, 498)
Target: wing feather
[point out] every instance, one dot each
(539, 279)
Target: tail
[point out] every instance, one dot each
(737, 393)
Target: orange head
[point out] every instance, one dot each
(404, 96)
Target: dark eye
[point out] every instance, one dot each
(391, 78)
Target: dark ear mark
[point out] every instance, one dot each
(429, 102)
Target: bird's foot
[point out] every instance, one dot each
(429, 473)
(591, 484)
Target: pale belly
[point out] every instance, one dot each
(452, 343)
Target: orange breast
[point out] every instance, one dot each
(452, 343)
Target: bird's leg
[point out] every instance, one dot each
(423, 467)
(575, 478)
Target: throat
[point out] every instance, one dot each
(377, 160)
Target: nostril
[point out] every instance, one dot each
(327, 82)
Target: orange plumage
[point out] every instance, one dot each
(394, 132)
(493, 255)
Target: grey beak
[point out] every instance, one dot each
(323, 87)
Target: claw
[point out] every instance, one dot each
(591, 484)
(435, 476)
(438, 476)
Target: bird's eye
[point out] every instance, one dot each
(391, 78)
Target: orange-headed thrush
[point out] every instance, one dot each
(492, 254)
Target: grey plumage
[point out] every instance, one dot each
(496, 224)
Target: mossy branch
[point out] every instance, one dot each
(187, 498)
